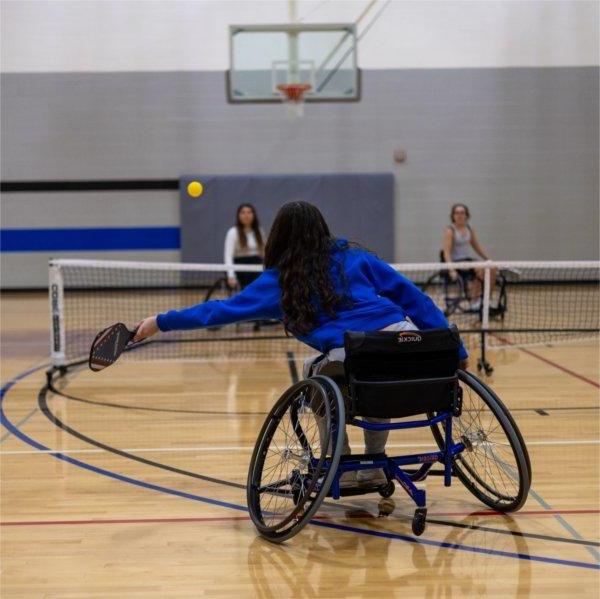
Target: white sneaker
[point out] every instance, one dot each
(372, 477)
(348, 479)
(475, 304)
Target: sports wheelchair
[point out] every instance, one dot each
(456, 299)
(297, 459)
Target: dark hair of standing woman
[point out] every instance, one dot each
(255, 227)
(455, 206)
(299, 246)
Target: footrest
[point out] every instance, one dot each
(357, 490)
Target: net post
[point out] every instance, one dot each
(57, 320)
(485, 314)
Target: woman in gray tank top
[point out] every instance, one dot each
(459, 242)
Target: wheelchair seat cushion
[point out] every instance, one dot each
(395, 374)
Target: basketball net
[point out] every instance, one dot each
(292, 94)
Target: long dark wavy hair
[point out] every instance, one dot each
(299, 246)
(243, 240)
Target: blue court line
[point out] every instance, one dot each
(5, 388)
(460, 547)
(393, 536)
(89, 239)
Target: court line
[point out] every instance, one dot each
(459, 547)
(554, 364)
(9, 385)
(43, 405)
(560, 367)
(235, 448)
(21, 422)
(447, 545)
(361, 516)
(573, 511)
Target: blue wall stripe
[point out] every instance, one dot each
(111, 238)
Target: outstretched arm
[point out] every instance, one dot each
(260, 300)
(418, 306)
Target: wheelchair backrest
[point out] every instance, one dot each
(389, 370)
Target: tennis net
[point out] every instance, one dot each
(495, 303)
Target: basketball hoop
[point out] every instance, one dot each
(293, 95)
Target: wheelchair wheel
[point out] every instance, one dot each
(495, 465)
(295, 458)
(447, 294)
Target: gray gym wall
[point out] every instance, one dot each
(518, 145)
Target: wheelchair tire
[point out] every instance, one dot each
(496, 470)
(292, 468)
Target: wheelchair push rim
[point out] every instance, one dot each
(295, 458)
(495, 465)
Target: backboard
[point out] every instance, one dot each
(263, 57)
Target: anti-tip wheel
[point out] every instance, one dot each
(419, 521)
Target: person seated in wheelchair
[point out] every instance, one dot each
(458, 244)
(320, 287)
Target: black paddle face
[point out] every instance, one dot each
(109, 345)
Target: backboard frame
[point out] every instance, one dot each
(291, 28)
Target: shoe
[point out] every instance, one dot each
(475, 304)
(348, 479)
(372, 478)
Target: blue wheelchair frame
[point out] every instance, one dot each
(392, 465)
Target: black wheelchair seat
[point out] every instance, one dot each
(394, 374)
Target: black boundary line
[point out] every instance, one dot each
(291, 360)
(528, 535)
(90, 185)
(43, 405)
(104, 404)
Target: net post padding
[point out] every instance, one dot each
(57, 321)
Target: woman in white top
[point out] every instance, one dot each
(244, 244)
(459, 242)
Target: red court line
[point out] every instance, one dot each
(242, 518)
(551, 363)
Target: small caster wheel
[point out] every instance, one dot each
(419, 521)
(387, 490)
(485, 366)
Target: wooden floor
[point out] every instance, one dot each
(146, 497)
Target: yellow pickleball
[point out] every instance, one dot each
(195, 189)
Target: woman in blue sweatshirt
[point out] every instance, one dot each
(319, 287)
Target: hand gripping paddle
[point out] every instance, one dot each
(108, 345)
